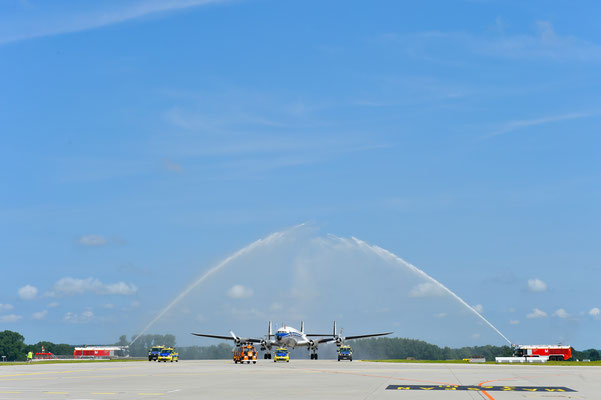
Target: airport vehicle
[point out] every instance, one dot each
(281, 354)
(44, 356)
(554, 352)
(245, 353)
(287, 336)
(154, 352)
(168, 354)
(345, 353)
(103, 352)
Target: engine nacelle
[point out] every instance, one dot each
(237, 342)
(338, 341)
(312, 344)
(263, 345)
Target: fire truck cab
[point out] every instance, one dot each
(245, 353)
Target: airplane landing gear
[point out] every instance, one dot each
(267, 356)
(314, 355)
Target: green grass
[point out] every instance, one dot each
(563, 363)
(70, 361)
(421, 361)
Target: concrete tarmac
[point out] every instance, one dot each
(298, 379)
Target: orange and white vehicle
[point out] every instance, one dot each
(553, 352)
(245, 353)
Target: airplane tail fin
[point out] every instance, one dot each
(269, 331)
(334, 331)
(303, 327)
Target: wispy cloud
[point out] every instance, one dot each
(39, 315)
(173, 167)
(232, 145)
(561, 313)
(74, 286)
(240, 292)
(544, 43)
(92, 240)
(31, 23)
(79, 318)
(520, 124)
(427, 289)
(10, 318)
(536, 313)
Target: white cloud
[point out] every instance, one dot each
(39, 314)
(479, 308)
(440, 315)
(53, 304)
(92, 240)
(514, 322)
(536, 313)
(10, 318)
(536, 285)
(6, 307)
(28, 292)
(276, 307)
(72, 286)
(121, 288)
(595, 312)
(108, 306)
(561, 313)
(75, 318)
(67, 22)
(239, 292)
(476, 336)
(427, 289)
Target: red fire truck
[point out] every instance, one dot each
(100, 352)
(554, 352)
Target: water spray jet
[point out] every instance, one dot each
(261, 242)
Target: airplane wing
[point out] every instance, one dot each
(243, 340)
(366, 336)
(333, 339)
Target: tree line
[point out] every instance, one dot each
(12, 345)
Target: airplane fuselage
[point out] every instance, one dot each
(290, 337)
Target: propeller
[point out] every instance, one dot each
(237, 339)
(339, 339)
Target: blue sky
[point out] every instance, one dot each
(143, 142)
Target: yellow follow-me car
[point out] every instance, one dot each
(168, 354)
(281, 354)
